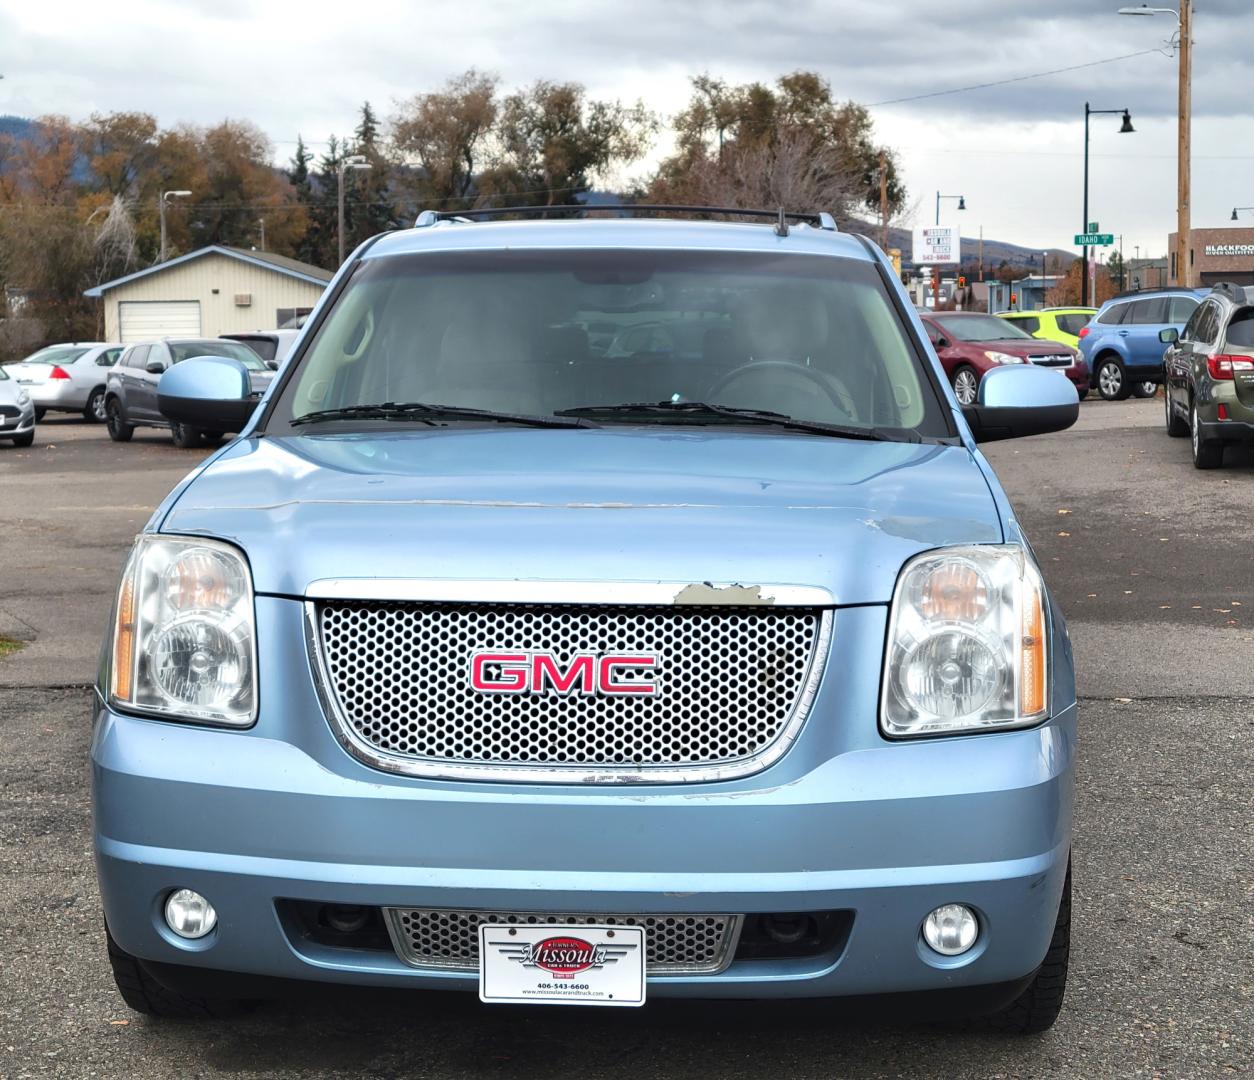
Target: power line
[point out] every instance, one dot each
(1016, 79)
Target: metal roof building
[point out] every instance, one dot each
(214, 290)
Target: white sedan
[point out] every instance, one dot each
(17, 412)
(68, 378)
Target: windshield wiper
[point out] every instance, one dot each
(704, 410)
(424, 412)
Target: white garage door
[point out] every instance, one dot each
(144, 320)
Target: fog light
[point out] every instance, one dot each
(189, 914)
(951, 929)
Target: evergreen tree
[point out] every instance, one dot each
(369, 190)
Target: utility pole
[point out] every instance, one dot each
(161, 214)
(355, 161)
(263, 233)
(884, 200)
(1183, 240)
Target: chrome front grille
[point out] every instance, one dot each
(733, 687)
(674, 944)
(1052, 360)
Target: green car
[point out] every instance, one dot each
(1053, 324)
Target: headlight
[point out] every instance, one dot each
(184, 636)
(967, 646)
(996, 357)
(22, 397)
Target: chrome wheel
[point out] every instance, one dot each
(1110, 380)
(96, 407)
(966, 386)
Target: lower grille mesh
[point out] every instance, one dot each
(449, 939)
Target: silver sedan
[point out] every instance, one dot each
(68, 378)
(17, 412)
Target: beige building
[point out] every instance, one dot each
(215, 290)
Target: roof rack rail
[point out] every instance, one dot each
(820, 219)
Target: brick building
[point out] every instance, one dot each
(1216, 255)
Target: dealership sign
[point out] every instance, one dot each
(937, 244)
(1230, 249)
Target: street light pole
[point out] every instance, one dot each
(161, 213)
(962, 205)
(354, 161)
(1184, 124)
(1243, 209)
(1125, 129)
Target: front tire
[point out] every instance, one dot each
(40, 413)
(145, 995)
(24, 440)
(966, 384)
(119, 429)
(1112, 379)
(1036, 1009)
(94, 411)
(1144, 389)
(185, 438)
(1207, 453)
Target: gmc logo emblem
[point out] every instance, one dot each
(543, 673)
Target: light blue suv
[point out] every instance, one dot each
(1121, 341)
(496, 656)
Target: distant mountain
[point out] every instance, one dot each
(995, 251)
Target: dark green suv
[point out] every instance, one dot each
(1208, 373)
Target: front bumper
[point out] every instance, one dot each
(19, 425)
(845, 821)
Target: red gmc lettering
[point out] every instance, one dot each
(543, 667)
(542, 672)
(509, 674)
(611, 665)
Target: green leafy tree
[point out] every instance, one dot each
(555, 142)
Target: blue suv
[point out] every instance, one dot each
(1121, 344)
(503, 652)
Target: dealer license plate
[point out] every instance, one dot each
(562, 965)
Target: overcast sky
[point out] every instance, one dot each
(1015, 150)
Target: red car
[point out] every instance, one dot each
(970, 343)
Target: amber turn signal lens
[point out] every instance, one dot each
(954, 592)
(1032, 654)
(124, 640)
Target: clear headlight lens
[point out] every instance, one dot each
(1002, 358)
(184, 639)
(22, 397)
(967, 648)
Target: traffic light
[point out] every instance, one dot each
(1014, 298)
(962, 282)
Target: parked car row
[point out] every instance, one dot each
(116, 384)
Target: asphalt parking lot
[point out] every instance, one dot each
(1151, 562)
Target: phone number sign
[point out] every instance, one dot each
(937, 244)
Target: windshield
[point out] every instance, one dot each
(55, 354)
(980, 328)
(815, 338)
(233, 350)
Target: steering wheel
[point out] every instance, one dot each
(837, 394)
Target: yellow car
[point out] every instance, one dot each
(1053, 324)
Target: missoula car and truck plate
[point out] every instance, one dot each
(561, 965)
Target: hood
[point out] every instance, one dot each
(588, 505)
(1019, 347)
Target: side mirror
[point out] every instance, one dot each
(1169, 336)
(154, 367)
(1022, 400)
(942, 342)
(212, 393)
(273, 365)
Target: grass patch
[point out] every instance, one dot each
(8, 646)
